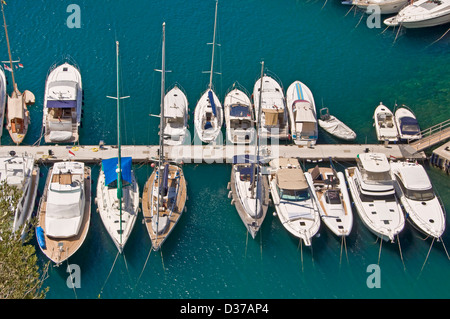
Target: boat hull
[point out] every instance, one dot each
(173, 207)
(56, 249)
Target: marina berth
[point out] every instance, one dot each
(63, 100)
(334, 126)
(372, 188)
(422, 14)
(239, 118)
(302, 114)
(165, 192)
(421, 205)
(385, 125)
(208, 114)
(408, 127)
(292, 196)
(64, 211)
(175, 116)
(117, 189)
(23, 173)
(17, 114)
(274, 115)
(330, 192)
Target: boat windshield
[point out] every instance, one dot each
(423, 195)
(374, 177)
(332, 197)
(294, 195)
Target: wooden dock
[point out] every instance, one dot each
(93, 154)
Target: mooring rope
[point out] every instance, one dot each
(428, 254)
(401, 255)
(145, 265)
(107, 278)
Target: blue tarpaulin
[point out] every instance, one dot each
(62, 104)
(110, 169)
(409, 125)
(211, 100)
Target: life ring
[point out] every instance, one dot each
(75, 148)
(95, 149)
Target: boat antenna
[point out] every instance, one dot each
(213, 47)
(119, 155)
(9, 49)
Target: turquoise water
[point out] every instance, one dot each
(348, 66)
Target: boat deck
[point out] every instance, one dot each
(250, 223)
(60, 249)
(157, 240)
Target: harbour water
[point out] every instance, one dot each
(349, 67)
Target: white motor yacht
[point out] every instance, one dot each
(63, 99)
(302, 113)
(422, 207)
(372, 189)
(385, 125)
(239, 118)
(422, 14)
(292, 196)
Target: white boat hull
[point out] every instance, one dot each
(239, 128)
(176, 106)
(383, 218)
(304, 129)
(203, 114)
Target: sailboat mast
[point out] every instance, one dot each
(213, 47)
(9, 49)
(256, 176)
(161, 127)
(119, 162)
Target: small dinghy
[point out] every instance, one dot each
(334, 126)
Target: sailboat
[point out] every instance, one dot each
(17, 115)
(165, 193)
(117, 189)
(208, 114)
(249, 187)
(64, 211)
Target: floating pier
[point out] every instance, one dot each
(441, 157)
(93, 154)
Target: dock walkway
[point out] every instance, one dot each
(207, 153)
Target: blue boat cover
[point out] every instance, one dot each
(110, 166)
(41, 237)
(239, 111)
(208, 125)
(247, 171)
(409, 125)
(211, 100)
(165, 181)
(63, 104)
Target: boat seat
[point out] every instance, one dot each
(315, 173)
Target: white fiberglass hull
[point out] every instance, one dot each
(107, 204)
(303, 228)
(176, 110)
(239, 127)
(207, 125)
(384, 218)
(302, 114)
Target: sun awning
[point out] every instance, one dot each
(110, 169)
(291, 179)
(272, 115)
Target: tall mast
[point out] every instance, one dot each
(213, 47)
(9, 49)
(161, 127)
(119, 154)
(256, 176)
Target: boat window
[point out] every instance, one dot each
(294, 195)
(420, 195)
(332, 197)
